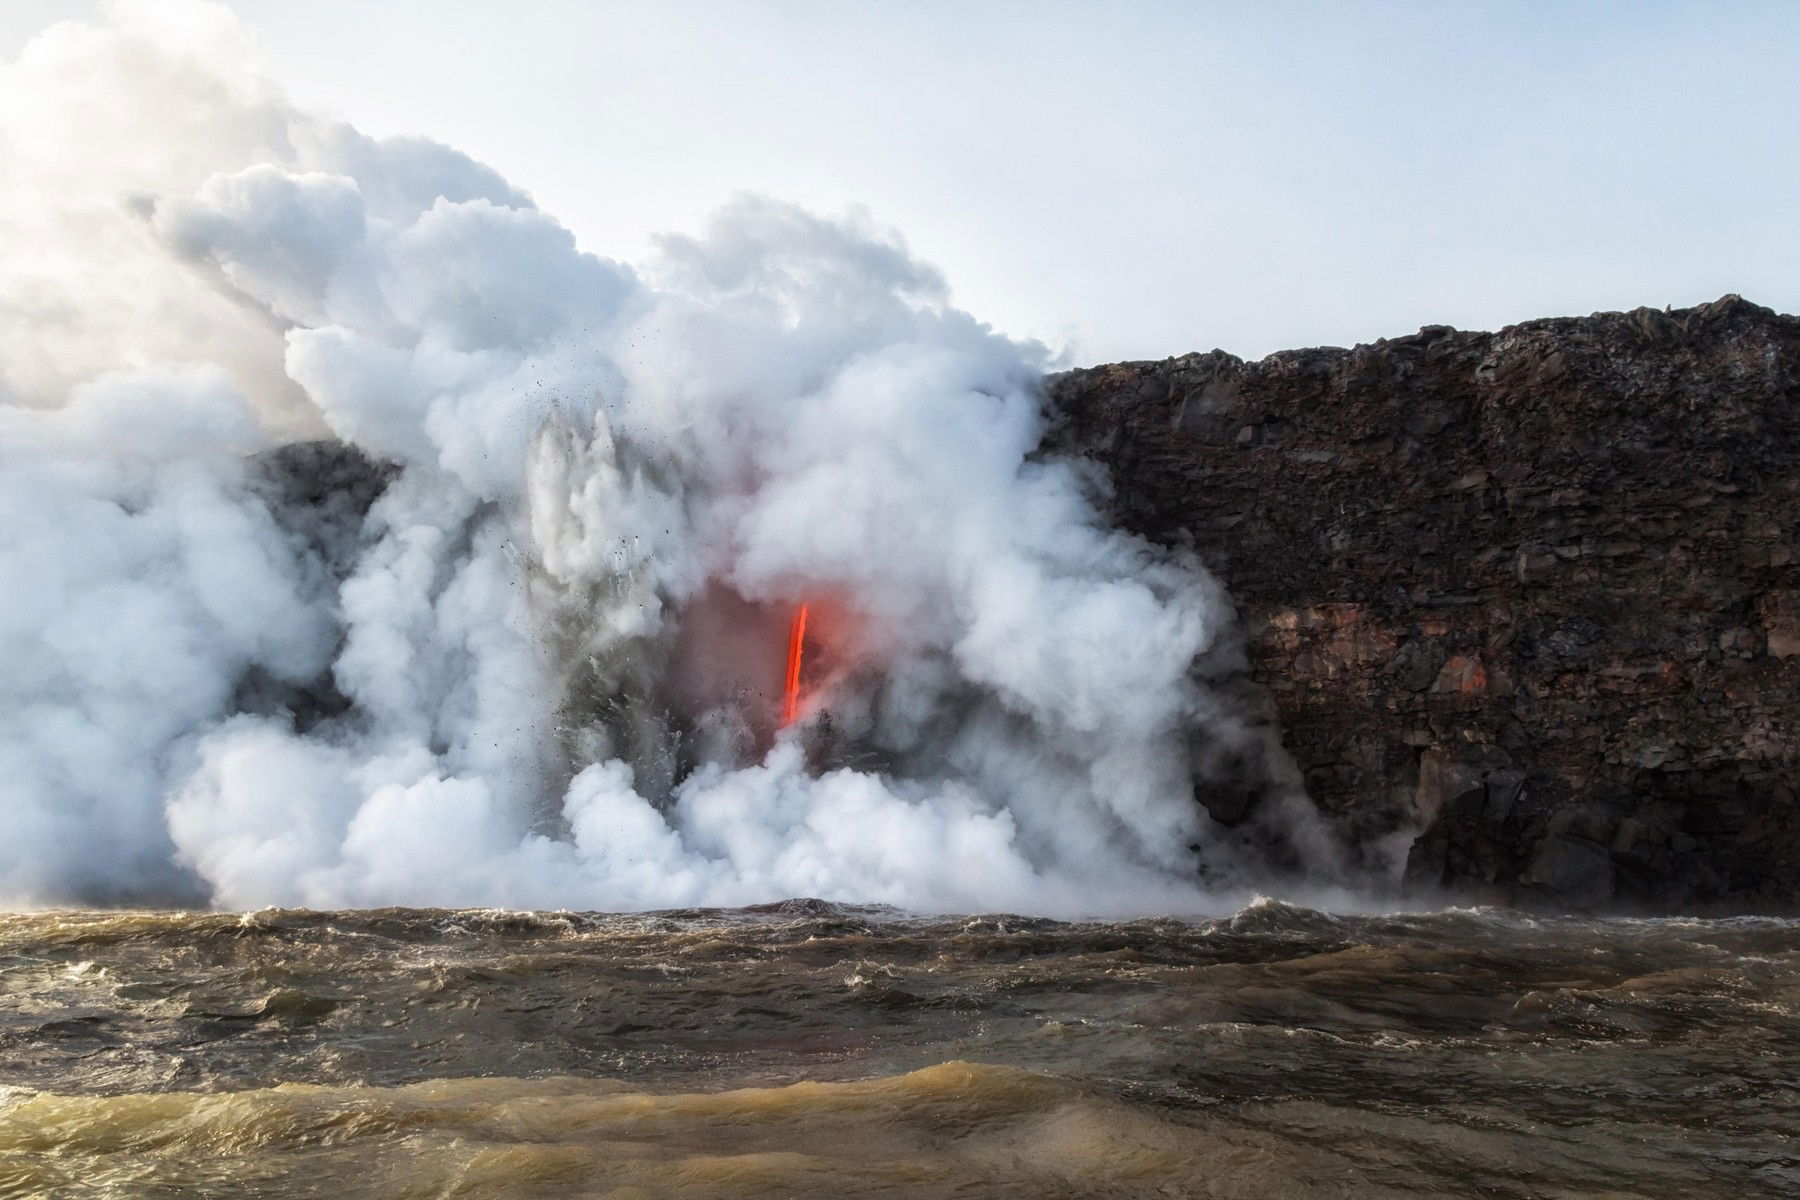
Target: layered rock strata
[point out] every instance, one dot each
(1527, 602)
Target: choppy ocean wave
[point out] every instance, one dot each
(807, 1047)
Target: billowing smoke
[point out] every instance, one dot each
(364, 541)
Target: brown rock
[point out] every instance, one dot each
(1779, 610)
(1572, 870)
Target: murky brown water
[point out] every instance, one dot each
(805, 1050)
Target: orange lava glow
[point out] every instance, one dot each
(790, 692)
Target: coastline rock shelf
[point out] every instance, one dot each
(1532, 596)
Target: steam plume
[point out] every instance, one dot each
(545, 667)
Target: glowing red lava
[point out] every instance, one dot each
(790, 692)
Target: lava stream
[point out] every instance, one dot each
(790, 692)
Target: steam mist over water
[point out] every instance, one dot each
(544, 668)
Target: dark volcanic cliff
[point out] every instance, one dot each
(1534, 594)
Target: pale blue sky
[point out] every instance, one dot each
(1131, 179)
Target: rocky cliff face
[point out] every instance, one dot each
(1528, 601)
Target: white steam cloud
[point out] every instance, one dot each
(542, 670)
